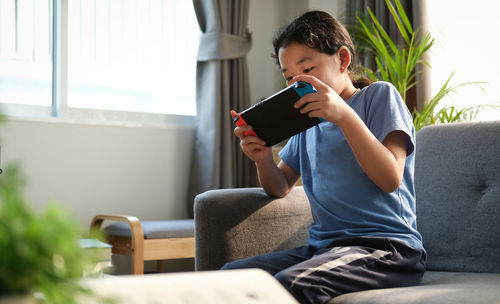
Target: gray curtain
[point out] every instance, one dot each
(221, 85)
(415, 9)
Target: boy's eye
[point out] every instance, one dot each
(305, 71)
(308, 70)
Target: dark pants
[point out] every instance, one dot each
(348, 265)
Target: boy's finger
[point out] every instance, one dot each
(253, 140)
(311, 97)
(315, 82)
(241, 130)
(233, 114)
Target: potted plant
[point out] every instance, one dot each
(396, 64)
(40, 257)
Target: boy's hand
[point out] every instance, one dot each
(252, 146)
(325, 103)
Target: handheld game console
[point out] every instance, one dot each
(275, 119)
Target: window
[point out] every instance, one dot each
(465, 45)
(111, 56)
(25, 52)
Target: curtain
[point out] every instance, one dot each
(415, 10)
(221, 85)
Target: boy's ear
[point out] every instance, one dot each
(345, 58)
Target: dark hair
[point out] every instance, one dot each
(322, 32)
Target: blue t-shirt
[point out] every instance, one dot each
(344, 201)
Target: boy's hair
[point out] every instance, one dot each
(320, 31)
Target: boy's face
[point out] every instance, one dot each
(299, 59)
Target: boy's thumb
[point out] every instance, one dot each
(233, 114)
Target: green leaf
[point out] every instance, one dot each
(403, 15)
(399, 23)
(382, 33)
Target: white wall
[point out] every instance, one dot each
(96, 168)
(335, 7)
(137, 170)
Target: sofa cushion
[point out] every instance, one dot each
(155, 229)
(437, 287)
(457, 184)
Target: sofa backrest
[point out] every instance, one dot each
(457, 184)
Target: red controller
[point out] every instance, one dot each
(238, 120)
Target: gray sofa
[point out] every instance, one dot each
(457, 180)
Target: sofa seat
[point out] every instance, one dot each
(436, 287)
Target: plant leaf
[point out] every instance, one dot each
(397, 18)
(404, 17)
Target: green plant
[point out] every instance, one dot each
(447, 114)
(39, 253)
(396, 64)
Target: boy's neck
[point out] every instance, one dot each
(349, 92)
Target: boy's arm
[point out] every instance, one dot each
(277, 180)
(383, 162)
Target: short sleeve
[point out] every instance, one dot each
(387, 112)
(290, 153)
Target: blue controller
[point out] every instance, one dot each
(303, 88)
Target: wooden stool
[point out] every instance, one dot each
(148, 240)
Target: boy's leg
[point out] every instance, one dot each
(354, 265)
(273, 262)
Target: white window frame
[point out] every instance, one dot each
(60, 110)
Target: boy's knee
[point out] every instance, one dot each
(285, 278)
(241, 264)
(232, 265)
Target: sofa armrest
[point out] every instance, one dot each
(232, 224)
